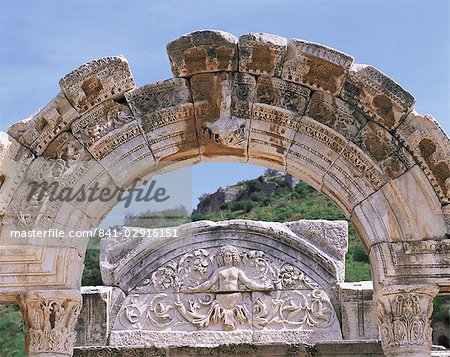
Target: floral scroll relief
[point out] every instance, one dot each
(226, 288)
(293, 308)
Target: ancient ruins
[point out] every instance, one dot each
(346, 129)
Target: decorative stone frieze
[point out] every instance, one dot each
(261, 53)
(213, 285)
(377, 95)
(348, 130)
(38, 131)
(222, 107)
(203, 51)
(430, 145)
(278, 93)
(315, 66)
(336, 114)
(105, 130)
(95, 81)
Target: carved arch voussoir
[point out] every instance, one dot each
(259, 99)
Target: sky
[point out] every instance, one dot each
(42, 40)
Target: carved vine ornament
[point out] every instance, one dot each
(212, 287)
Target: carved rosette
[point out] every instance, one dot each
(404, 319)
(50, 317)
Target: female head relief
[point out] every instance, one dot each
(227, 255)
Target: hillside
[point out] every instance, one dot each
(273, 196)
(279, 197)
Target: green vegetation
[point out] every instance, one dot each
(158, 219)
(291, 205)
(12, 341)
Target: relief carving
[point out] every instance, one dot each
(94, 125)
(378, 95)
(293, 309)
(96, 81)
(316, 66)
(226, 289)
(336, 114)
(225, 132)
(51, 318)
(261, 53)
(63, 159)
(226, 308)
(404, 318)
(279, 93)
(384, 149)
(203, 51)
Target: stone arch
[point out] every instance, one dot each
(346, 129)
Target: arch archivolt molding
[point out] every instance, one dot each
(347, 129)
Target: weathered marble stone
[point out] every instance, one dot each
(261, 53)
(290, 317)
(212, 285)
(42, 199)
(120, 352)
(68, 174)
(430, 146)
(242, 98)
(358, 311)
(27, 267)
(203, 51)
(271, 133)
(14, 161)
(96, 81)
(313, 151)
(377, 95)
(114, 138)
(50, 318)
(336, 114)
(165, 113)
(315, 66)
(415, 261)
(446, 212)
(29, 213)
(402, 218)
(428, 223)
(386, 166)
(282, 94)
(352, 177)
(384, 149)
(97, 315)
(221, 134)
(248, 350)
(40, 129)
(116, 272)
(348, 349)
(330, 235)
(404, 319)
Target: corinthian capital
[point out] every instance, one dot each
(50, 317)
(404, 319)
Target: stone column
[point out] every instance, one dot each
(50, 317)
(404, 319)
